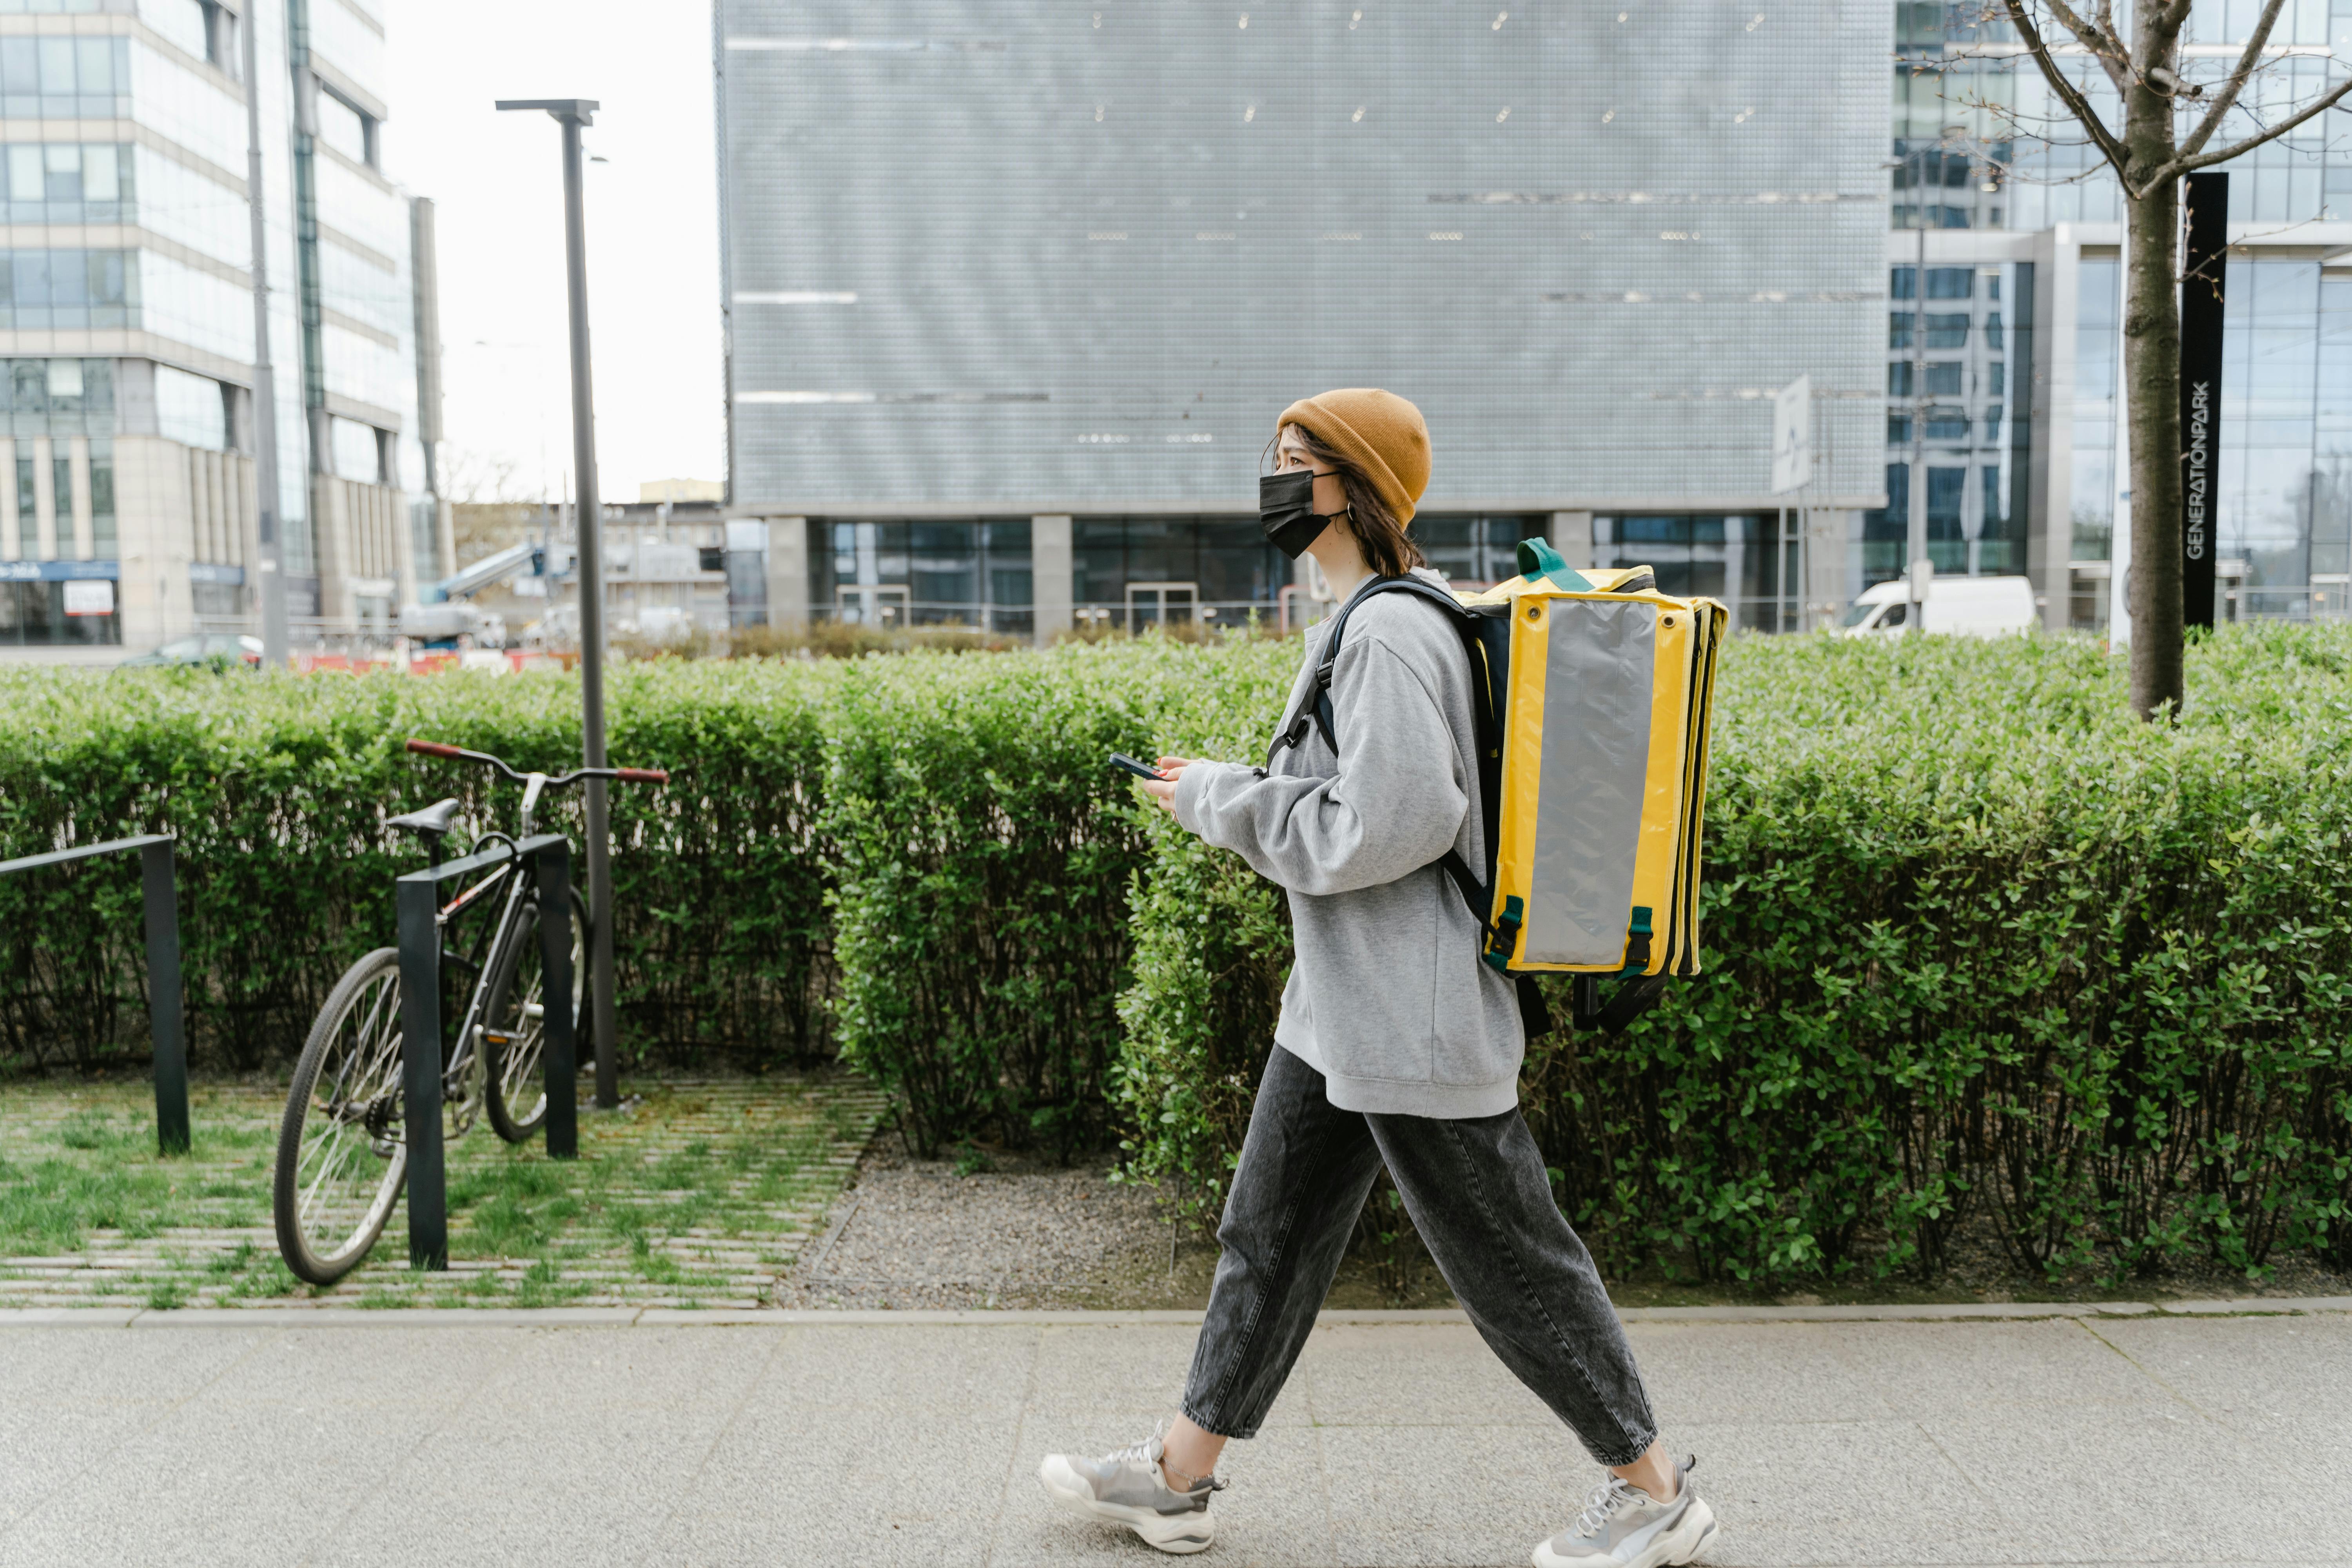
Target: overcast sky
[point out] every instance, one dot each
(498, 181)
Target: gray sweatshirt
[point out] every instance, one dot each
(1387, 998)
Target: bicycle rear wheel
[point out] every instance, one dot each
(514, 1032)
(341, 1150)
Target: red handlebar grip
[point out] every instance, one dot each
(644, 775)
(434, 749)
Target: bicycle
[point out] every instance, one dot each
(342, 1156)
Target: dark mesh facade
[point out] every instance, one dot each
(1019, 258)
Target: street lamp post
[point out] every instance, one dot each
(269, 565)
(1916, 519)
(571, 113)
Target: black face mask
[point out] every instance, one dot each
(1286, 511)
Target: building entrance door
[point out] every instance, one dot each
(1159, 603)
(871, 603)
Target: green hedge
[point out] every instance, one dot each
(1981, 951)
(984, 854)
(1985, 957)
(277, 788)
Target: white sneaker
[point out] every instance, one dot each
(1624, 1527)
(1127, 1487)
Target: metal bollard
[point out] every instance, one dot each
(420, 1026)
(159, 892)
(420, 1047)
(165, 1023)
(560, 1042)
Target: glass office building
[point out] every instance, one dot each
(1014, 293)
(128, 507)
(1984, 207)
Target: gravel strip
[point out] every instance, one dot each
(1021, 1233)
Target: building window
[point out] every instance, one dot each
(1983, 531)
(348, 130)
(53, 77)
(2096, 317)
(36, 614)
(190, 409)
(65, 385)
(358, 451)
(183, 23)
(1951, 282)
(1475, 550)
(1747, 560)
(1948, 330)
(69, 289)
(222, 48)
(1230, 570)
(68, 181)
(955, 574)
(102, 529)
(1886, 532)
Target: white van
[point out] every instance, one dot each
(1966, 606)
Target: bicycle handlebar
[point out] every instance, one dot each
(623, 775)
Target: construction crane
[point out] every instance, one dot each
(525, 559)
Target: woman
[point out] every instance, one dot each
(1396, 1045)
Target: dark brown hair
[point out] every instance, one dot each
(1378, 532)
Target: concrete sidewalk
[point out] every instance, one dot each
(279, 1437)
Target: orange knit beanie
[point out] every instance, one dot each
(1377, 432)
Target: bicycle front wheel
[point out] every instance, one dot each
(514, 1035)
(341, 1150)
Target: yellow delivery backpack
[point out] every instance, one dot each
(1594, 694)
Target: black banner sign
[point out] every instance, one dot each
(2206, 210)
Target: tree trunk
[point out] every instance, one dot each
(2152, 380)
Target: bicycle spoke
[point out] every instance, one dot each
(354, 1128)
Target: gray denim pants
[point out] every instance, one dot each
(1477, 1193)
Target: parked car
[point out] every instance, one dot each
(205, 647)
(1964, 606)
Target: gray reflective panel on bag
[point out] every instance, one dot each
(1598, 671)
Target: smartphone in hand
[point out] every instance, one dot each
(1128, 765)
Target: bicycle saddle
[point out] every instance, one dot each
(433, 819)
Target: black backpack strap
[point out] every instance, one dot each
(1317, 710)
(1629, 1003)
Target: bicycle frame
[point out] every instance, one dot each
(489, 949)
(466, 1053)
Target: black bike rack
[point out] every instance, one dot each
(159, 892)
(550, 856)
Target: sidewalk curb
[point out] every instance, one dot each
(381, 1318)
(267, 1316)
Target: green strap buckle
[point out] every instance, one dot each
(1637, 940)
(1503, 940)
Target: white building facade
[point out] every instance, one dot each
(1015, 292)
(128, 503)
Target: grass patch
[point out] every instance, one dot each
(698, 1192)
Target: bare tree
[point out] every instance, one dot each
(469, 476)
(2149, 154)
